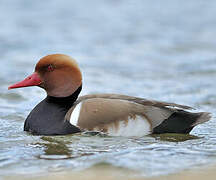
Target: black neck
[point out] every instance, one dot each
(65, 100)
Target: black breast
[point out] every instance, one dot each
(47, 118)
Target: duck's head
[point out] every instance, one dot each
(58, 74)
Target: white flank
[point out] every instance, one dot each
(75, 114)
(135, 127)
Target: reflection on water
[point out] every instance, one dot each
(174, 137)
(54, 149)
(57, 149)
(164, 51)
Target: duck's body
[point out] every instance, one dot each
(117, 115)
(48, 117)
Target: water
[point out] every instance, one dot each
(164, 51)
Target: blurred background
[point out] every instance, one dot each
(164, 50)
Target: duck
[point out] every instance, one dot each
(63, 112)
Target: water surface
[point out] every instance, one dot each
(164, 51)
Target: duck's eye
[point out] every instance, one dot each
(50, 68)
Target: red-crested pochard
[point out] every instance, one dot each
(62, 112)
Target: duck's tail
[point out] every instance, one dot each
(202, 117)
(182, 122)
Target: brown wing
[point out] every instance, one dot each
(102, 112)
(136, 100)
(105, 111)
